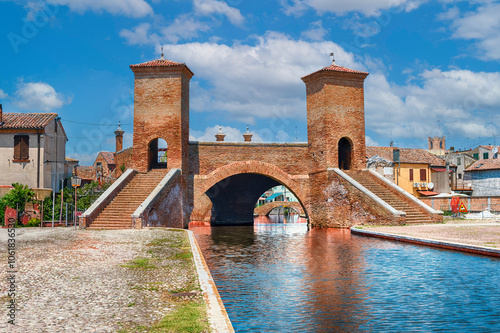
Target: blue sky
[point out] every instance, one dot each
(434, 64)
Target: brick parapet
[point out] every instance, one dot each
(105, 199)
(435, 217)
(164, 207)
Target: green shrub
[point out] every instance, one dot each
(34, 222)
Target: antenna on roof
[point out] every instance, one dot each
(162, 52)
(332, 54)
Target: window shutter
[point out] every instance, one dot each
(25, 147)
(21, 147)
(17, 147)
(423, 175)
(411, 175)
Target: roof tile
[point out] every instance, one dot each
(481, 165)
(26, 120)
(407, 155)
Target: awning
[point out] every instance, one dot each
(438, 169)
(428, 193)
(272, 196)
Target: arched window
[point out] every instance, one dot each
(158, 154)
(345, 152)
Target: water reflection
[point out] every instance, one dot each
(286, 278)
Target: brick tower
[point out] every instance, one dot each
(161, 110)
(336, 118)
(336, 139)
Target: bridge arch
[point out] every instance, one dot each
(252, 178)
(264, 210)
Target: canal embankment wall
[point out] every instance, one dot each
(217, 314)
(357, 230)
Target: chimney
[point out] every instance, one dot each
(119, 138)
(247, 135)
(220, 135)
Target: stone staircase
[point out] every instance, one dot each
(117, 214)
(413, 212)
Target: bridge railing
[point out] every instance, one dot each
(91, 213)
(368, 193)
(406, 194)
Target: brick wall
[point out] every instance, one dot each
(335, 109)
(161, 110)
(473, 204)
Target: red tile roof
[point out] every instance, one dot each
(407, 155)
(481, 165)
(108, 156)
(157, 63)
(85, 172)
(336, 68)
(26, 120)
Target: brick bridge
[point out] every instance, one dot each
(224, 180)
(267, 208)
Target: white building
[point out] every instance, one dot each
(32, 150)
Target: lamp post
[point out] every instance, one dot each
(76, 182)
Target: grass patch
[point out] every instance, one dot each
(140, 263)
(187, 317)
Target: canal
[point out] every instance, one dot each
(282, 277)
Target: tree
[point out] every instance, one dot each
(17, 199)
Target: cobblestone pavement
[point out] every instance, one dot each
(73, 280)
(473, 232)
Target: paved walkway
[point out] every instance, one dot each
(472, 232)
(86, 281)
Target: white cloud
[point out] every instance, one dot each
(130, 8)
(340, 7)
(370, 142)
(316, 32)
(3, 94)
(184, 27)
(210, 7)
(460, 101)
(39, 96)
(255, 81)
(482, 25)
(232, 134)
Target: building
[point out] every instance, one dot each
(462, 160)
(32, 150)
(415, 170)
(484, 176)
(437, 145)
(105, 165)
(482, 153)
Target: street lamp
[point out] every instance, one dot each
(76, 182)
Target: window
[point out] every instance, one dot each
(485, 156)
(459, 161)
(441, 145)
(423, 175)
(459, 176)
(431, 144)
(21, 147)
(411, 175)
(476, 156)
